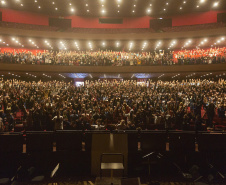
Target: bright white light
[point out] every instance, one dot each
(103, 11)
(3, 2)
(202, 1)
(148, 10)
(215, 4)
(222, 38)
(72, 9)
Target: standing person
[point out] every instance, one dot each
(221, 113)
(58, 122)
(210, 114)
(1, 121)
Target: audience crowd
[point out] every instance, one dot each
(122, 105)
(111, 58)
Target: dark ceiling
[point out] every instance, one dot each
(123, 45)
(114, 8)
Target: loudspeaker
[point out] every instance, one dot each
(131, 181)
(221, 17)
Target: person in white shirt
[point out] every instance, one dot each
(58, 122)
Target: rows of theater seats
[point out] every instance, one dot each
(36, 154)
(194, 27)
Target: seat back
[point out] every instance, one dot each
(11, 142)
(182, 142)
(212, 142)
(69, 140)
(39, 141)
(153, 141)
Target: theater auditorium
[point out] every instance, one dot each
(113, 92)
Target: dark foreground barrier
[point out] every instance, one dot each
(145, 152)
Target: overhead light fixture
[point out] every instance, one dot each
(3, 2)
(215, 4)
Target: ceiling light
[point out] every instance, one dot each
(215, 4)
(39, 6)
(148, 10)
(103, 11)
(2, 2)
(180, 8)
(72, 9)
(202, 1)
